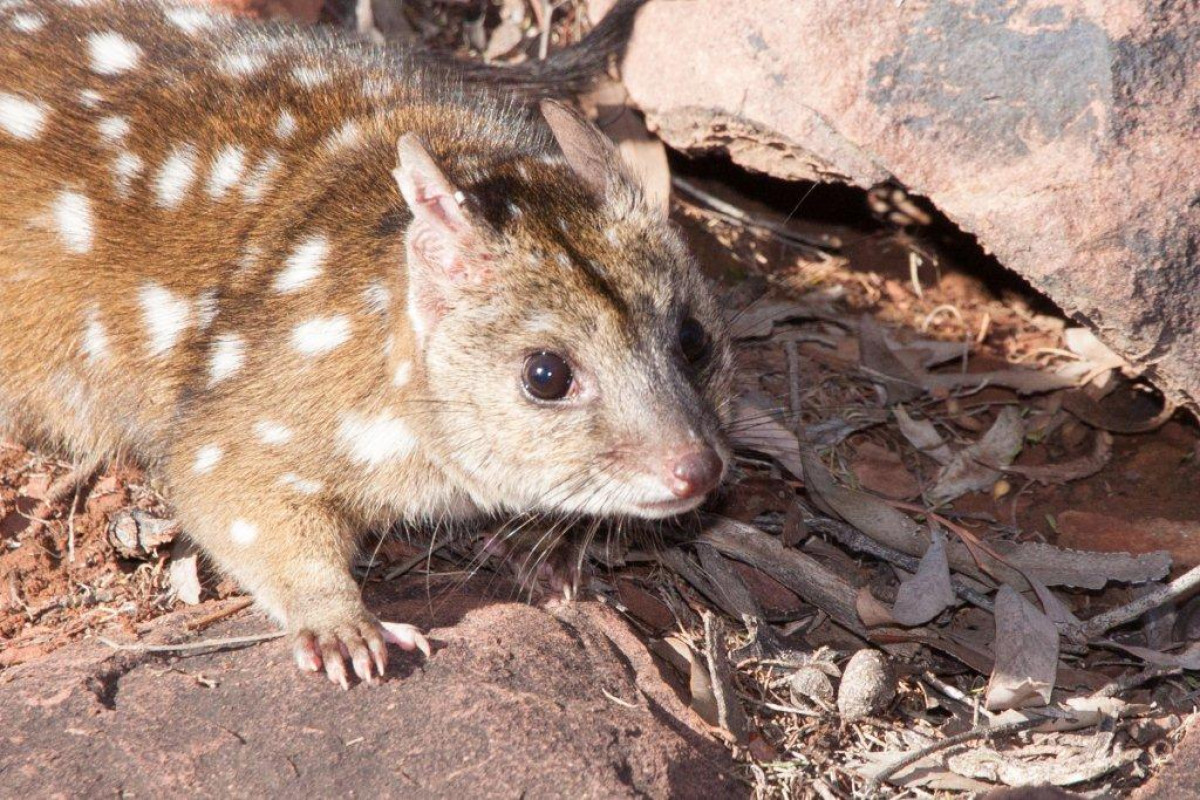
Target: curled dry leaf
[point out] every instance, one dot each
(1075, 469)
(978, 466)
(926, 594)
(1026, 654)
(1082, 406)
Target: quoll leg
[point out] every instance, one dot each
(293, 555)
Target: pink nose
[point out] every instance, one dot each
(695, 472)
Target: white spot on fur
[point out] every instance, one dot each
(206, 308)
(320, 335)
(377, 297)
(285, 126)
(175, 177)
(310, 77)
(375, 439)
(562, 224)
(111, 53)
(304, 265)
(21, 118)
(403, 374)
(523, 171)
(95, 338)
(515, 211)
(227, 169)
(243, 532)
(611, 235)
(166, 315)
(113, 128)
(562, 259)
(228, 355)
(90, 98)
(269, 432)
(260, 177)
(301, 485)
(242, 65)
(73, 218)
(206, 458)
(190, 20)
(348, 135)
(126, 167)
(27, 22)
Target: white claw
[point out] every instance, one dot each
(408, 637)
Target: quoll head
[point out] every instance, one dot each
(575, 358)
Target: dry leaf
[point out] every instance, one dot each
(184, 574)
(757, 320)
(1073, 470)
(977, 467)
(1188, 658)
(1069, 766)
(922, 435)
(1108, 419)
(755, 428)
(928, 593)
(1026, 654)
(878, 361)
(881, 471)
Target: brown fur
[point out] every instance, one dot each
(552, 263)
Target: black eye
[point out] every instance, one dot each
(693, 341)
(547, 376)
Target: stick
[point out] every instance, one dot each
(1102, 623)
(231, 641)
(978, 732)
(216, 616)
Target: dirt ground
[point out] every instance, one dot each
(1114, 475)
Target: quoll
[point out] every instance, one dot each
(327, 288)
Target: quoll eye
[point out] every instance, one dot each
(547, 376)
(693, 341)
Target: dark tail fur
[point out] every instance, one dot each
(571, 70)
(564, 73)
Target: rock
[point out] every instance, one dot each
(868, 685)
(137, 534)
(515, 701)
(1063, 135)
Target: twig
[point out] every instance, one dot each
(978, 732)
(216, 616)
(207, 644)
(1102, 623)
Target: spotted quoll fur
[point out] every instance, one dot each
(303, 277)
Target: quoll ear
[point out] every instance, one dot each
(589, 152)
(442, 243)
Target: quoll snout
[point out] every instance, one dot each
(694, 472)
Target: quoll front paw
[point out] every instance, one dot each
(363, 642)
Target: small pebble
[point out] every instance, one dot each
(868, 685)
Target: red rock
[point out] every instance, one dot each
(1061, 135)
(512, 702)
